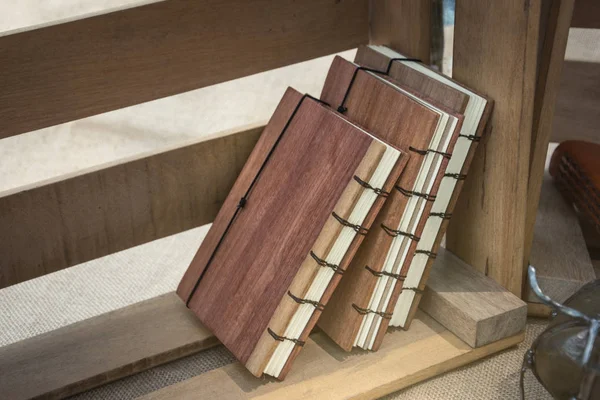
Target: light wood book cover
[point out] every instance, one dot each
(294, 198)
(400, 117)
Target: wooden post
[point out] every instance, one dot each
(495, 52)
(404, 25)
(554, 44)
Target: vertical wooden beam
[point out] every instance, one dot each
(404, 25)
(495, 52)
(548, 81)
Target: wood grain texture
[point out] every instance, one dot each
(393, 287)
(559, 251)
(102, 349)
(325, 371)
(404, 25)
(261, 251)
(578, 103)
(469, 304)
(554, 44)
(61, 223)
(487, 229)
(445, 96)
(410, 78)
(59, 73)
(415, 128)
(308, 270)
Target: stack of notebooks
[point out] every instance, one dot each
(336, 217)
(575, 167)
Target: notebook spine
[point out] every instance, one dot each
(460, 177)
(320, 262)
(422, 251)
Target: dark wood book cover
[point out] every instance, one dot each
(575, 167)
(256, 247)
(448, 97)
(401, 121)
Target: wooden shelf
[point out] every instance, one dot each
(99, 350)
(323, 370)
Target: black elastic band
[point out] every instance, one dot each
(458, 177)
(244, 198)
(343, 109)
(472, 138)
(366, 185)
(395, 232)
(282, 338)
(418, 151)
(410, 193)
(441, 215)
(428, 253)
(441, 153)
(364, 311)
(361, 230)
(315, 304)
(323, 263)
(385, 273)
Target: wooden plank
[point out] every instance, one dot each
(325, 371)
(586, 14)
(90, 353)
(559, 252)
(58, 73)
(578, 104)
(111, 346)
(62, 223)
(549, 72)
(403, 25)
(469, 304)
(495, 52)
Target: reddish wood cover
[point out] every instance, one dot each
(575, 167)
(445, 97)
(271, 236)
(403, 122)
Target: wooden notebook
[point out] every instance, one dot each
(407, 120)
(289, 227)
(400, 298)
(575, 167)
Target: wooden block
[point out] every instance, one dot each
(554, 43)
(559, 251)
(469, 304)
(324, 371)
(495, 53)
(59, 73)
(56, 224)
(403, 25)
(102, 349)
